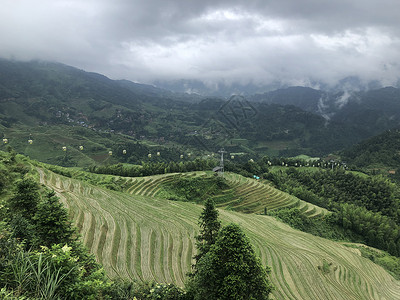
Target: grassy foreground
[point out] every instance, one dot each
(150, 238)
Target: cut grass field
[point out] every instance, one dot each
(137, 235)
(244, 195)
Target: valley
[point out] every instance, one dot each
(311, 177)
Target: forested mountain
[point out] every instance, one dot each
(306, 98)
(380, 106)
(60, 106)
(65, 116)
(381, 151)
(371, 112)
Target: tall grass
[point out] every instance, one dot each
(36, 275)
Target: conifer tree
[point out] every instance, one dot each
(209, 227)
(231, 270)
(52, 223)
(26, 199)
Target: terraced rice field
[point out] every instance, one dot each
(250, 195)
(258, 195)
(152, 186)
(138, 236)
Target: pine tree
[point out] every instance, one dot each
(209, 227)
(231, 270)
(52, 223)
(26, 199)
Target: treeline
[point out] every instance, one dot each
(240, 165)
(368, 207)
(154, 168)
(379, 150)
(226, 266)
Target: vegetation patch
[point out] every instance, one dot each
(388, 262)
(324, 227)
(325, 268)
(367, 207)
(196, 189)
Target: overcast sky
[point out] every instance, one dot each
(293, 41)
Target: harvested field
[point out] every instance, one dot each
(138, 236)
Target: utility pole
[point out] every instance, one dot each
(221, 164)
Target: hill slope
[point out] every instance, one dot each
(45, 100)
(239, 194)
(379, 151)
(152, 238)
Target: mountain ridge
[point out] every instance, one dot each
(36, 96)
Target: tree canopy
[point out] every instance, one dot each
(209, 227)
(231, 270)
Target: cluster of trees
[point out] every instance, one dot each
(326, 227)
(240, 165)
(367, 207)
(381, 150)
(249, 167)
(226, 266)
(154, 168)
(196, 189)
(40, 255)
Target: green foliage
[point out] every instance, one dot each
(323, 188)
(121, 289)
(154, 291)
(26, 198)
(378, 231)
(326, 267)
(326, 227)
(366, 208)
(231, 270)
(154, 168)
(52, 273)
(51, 222)
(390, 263)
(196, 189)
(23, 230)
(381, 150)
(60, 170)
(9, 295)
(209, 228)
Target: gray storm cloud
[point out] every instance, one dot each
(294, 42)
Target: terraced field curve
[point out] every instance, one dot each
(149, 238)
(258, 195)
(250, 195)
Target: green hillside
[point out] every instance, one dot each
(145, 237)
(48, 101)
(232, 192)
(381, 151)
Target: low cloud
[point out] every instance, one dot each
(294, 42)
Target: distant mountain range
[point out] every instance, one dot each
(224, 89)
(371, 111)
(61, 105)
